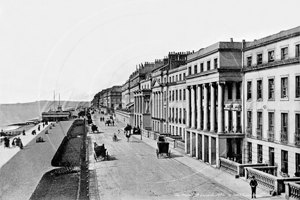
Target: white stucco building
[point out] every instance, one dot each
(272, 101)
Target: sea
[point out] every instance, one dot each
(11, 114)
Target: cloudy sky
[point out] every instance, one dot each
(78, 47)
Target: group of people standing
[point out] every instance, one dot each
(15, 142)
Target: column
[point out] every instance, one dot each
(188, 103)
(191, 143)
(220, 107)
(193, 106)
(134, 106)
(197, 145)
(155, 101)
(153, 105)
(199, 106)
(212, 107)
(234, 120)
(205, 120)
(160, 105)
(226, 120)
(203, 147)
(142, 104)
(186, 142)
(209, 149)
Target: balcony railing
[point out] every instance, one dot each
(283, 137)
(271, 135)
(249, 132)
(297, 139)
(259, 133)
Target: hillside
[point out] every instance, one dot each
(20, 112)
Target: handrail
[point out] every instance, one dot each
(292, 189)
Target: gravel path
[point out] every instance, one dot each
(135, 173)
(20, 175)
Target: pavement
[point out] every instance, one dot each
(240, 186)
(24, 169)
(7, 153)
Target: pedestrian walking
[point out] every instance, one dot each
(128, 135)
(6, 142)
(113, 122)
(24, 132)
(118, 131)
(253, 185)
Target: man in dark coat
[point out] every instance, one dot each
(253, 185)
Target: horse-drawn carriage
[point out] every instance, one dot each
(39, 139)
(94, 128)
(108, 122)
(162, 147)
(100, 152)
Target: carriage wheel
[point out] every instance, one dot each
(107, 157)
(169, 154)
(157, 153)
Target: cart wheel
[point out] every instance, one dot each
(95, 157)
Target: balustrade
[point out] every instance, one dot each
(263, 179)
(271, 135)
(294, 190)
(228, 165)
(283, 137)
(180, 145)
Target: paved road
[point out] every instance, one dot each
(21, 174)
(136, 173)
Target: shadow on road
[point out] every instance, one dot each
(98, 132)
(112, 158)
(175, 156)
(136, 141)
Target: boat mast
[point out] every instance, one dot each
(54, 102)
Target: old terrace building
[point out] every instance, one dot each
(109, 99)
(214, 116)
(272, 101)
(127, 113)
(160, 90)
(142, 104)
(176, 99)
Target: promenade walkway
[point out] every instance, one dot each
(239, 186)
(24, 169)
(7, 153)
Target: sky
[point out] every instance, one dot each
(76, 48)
